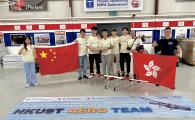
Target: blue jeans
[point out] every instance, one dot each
(29, 69)
(83, 65)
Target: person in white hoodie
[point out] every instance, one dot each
(82, 50)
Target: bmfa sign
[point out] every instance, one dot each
(113, 5)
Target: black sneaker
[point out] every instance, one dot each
(177, 64)
(123, 74)
(80, 78)
(85, 77)
(118, 74)
(127, 75)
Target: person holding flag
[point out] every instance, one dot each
(28, 53)
(168, 45)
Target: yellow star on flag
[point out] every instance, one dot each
(43, 54)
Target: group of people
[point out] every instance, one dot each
(109, 49)
(103, 49)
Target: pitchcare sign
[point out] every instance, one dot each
(28, 5)
(112, 5)
(60, 108)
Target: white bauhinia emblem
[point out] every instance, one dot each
(151, 69)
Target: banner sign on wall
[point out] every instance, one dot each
(61, 108)
(112, 5)
(28, 5)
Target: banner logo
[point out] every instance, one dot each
(151, 69)
(136, 3)
(90, 3)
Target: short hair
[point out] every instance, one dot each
(104, 30)
(82, 30)
(113, 30)
(133, 31)
(125, 28)
(94, 28)
(167, 28)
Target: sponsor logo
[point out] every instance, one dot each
(151, 69)
(136, 3)
(90, 3)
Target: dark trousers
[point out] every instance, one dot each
(125, 57)
(97, 58)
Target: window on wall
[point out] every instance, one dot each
(17, 39)
(42, 39)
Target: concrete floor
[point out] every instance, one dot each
(12, 90)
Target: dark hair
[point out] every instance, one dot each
(82, 30)
(114, 30)
(133, 31)
(125, 28)
(104, 30)
(25, 45)
(167, 28)
(94, 28)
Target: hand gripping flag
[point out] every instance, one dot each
(56, 60)
(156, 69)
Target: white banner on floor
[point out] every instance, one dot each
(102, 107)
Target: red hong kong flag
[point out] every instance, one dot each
(156, 69)
(56, 60)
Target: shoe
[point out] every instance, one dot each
(127, 75)
(26, 86)
(99, 74)
(80, 78)
(85, 77)
(123, 74)
(118, 74)
(36, 84)
(92, 74)
(177, 64)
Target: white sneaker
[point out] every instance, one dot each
(26, 86)
(36, 84)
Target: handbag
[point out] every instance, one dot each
(140, 48)
(129, 48)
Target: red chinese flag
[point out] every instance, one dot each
(56, 60)
(156, 69)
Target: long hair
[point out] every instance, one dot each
(25, 45)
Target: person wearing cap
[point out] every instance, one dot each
(93, 50)
(82, 51)
(106, 46)
(115, 51)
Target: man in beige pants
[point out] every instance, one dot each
(115, 52)
(106, 46)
